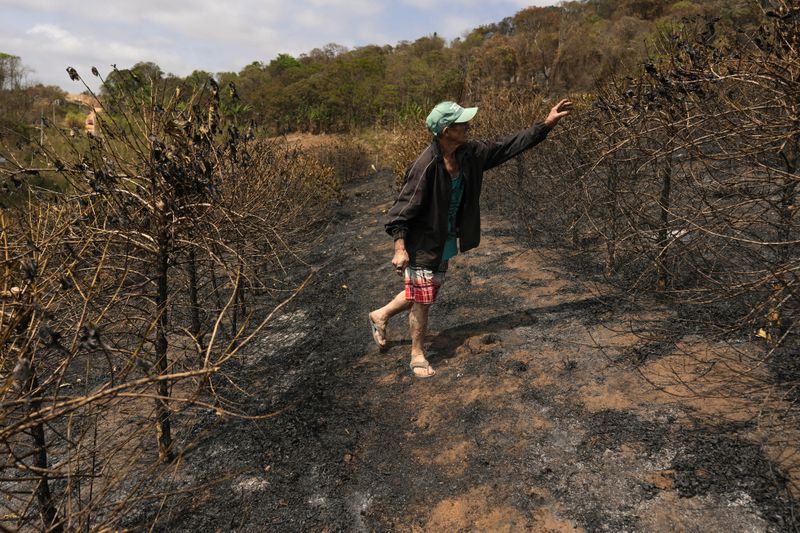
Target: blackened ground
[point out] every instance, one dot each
(542, 415)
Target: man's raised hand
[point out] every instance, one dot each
(559, 111)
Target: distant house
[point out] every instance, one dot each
(90, 124)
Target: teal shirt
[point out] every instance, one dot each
(451, 244)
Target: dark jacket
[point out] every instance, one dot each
(419, 215)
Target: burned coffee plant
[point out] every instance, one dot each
(680, 184)
(123, 298)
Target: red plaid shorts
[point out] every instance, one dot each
(423, 284)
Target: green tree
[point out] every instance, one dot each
(12, 72)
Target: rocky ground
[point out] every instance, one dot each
(552, 408)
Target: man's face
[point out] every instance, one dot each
(457, 133)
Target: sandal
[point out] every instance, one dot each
(377, 333)
(426, 365)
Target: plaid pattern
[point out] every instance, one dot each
(422, 284)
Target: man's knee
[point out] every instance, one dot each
(420, 309)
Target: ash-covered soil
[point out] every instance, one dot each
(554, 408)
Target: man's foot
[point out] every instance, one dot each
(378, 330)
(422, 369)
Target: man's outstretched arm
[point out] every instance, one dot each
(498, 152)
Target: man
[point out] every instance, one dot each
(437, 213)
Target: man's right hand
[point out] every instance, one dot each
(400, 261)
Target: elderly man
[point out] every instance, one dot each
(437, 213)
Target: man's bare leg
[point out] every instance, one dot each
(418, 324)
(381, 316)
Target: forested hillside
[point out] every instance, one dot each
(554, 50)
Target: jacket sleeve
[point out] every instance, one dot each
(498, 152)
(409, 201)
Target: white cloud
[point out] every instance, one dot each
(56, 48)
(446, 8)
(455, 26)
(363, 7)
(53, 37)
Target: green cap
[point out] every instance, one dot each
(446, 114)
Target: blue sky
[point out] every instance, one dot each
(214, 35)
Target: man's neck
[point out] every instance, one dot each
(448, 148)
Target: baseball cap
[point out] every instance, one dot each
(446, 114)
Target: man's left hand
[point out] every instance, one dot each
(559, 111)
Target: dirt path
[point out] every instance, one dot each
(534, 422)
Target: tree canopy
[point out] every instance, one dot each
(554, 50)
